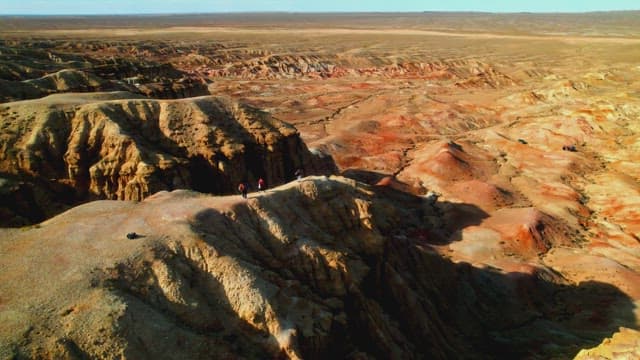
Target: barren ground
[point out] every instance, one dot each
(479, 109)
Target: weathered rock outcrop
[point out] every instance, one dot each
(466, 74)
(166, 62)
(322, 268)
(128, 149)
(184, 87)
(34, 69)
(155, 80)
(62, 81)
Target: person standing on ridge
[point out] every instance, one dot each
(242, 188)
(298, 174)
(261, 184)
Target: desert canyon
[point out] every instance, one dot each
(471, 186)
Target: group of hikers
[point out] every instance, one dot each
(243, 187)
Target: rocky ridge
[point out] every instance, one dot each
(34, 69)
(325, 267)
(90, 147)
(463, 73)
(189, 61)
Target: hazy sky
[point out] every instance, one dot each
(186, 6)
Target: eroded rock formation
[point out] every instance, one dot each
(519, 248)
(128, 149)
(322, 268)
(34, 69)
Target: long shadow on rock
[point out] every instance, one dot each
(364, 176)
(444, 221)
(26, 200)
(456, 217)
(492, 314)
(341, 279)
(327, 269)
(380, 179)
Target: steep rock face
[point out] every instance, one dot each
(321, 268)
(128, 149)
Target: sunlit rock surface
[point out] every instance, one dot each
(323, 267)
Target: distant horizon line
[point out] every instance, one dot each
(321, 12)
